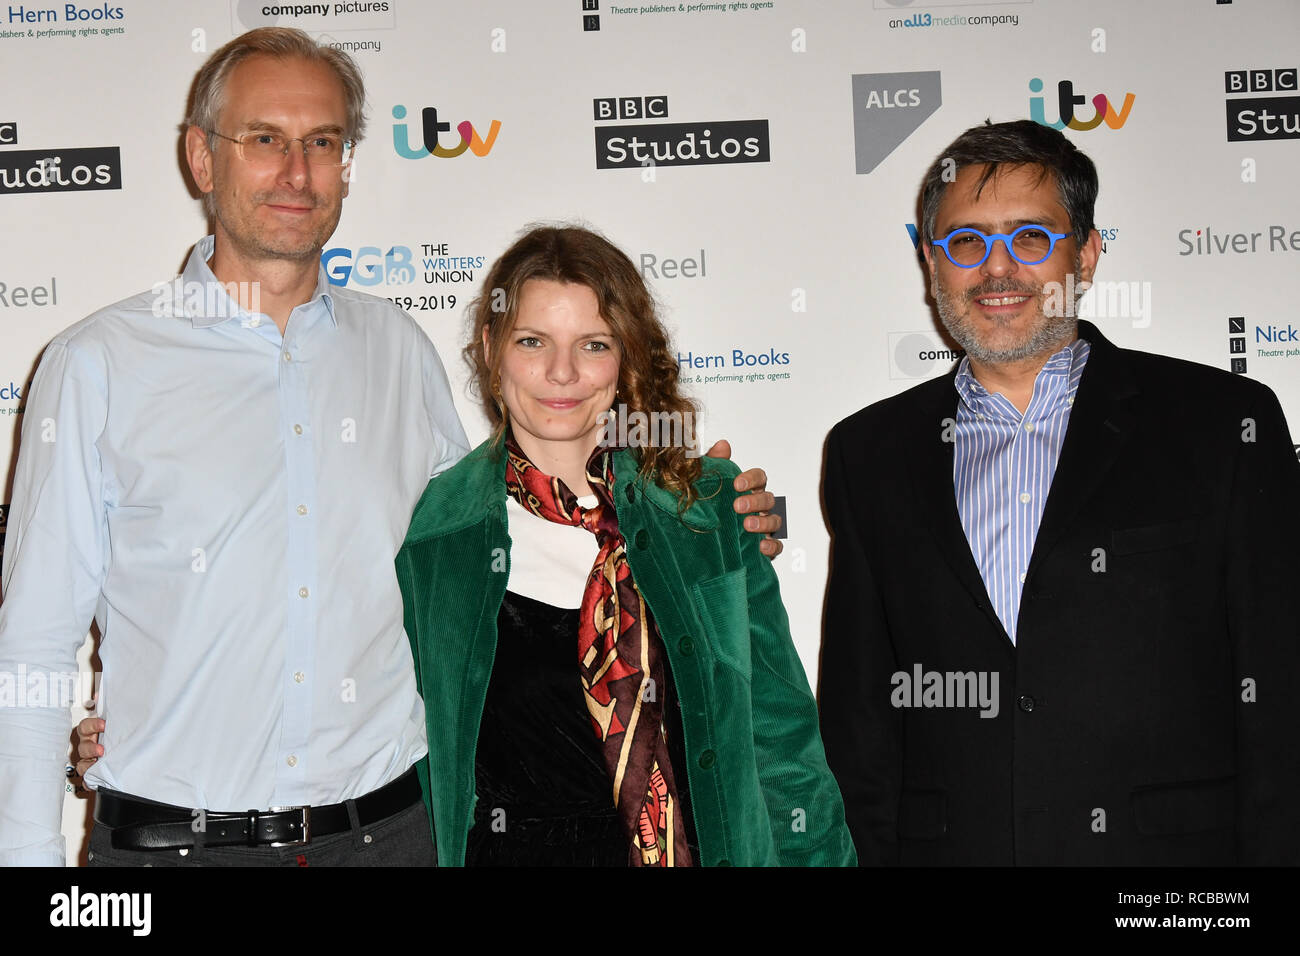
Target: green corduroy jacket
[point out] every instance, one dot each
(761, 793)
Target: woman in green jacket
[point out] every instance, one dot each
(605, 661)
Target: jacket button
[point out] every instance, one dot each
(686, 645)
(631, 495)
(707, 759)
(642, 540)
(1025, 703)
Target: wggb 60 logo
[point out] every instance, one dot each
(369, 266)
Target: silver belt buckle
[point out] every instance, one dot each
(306, 824)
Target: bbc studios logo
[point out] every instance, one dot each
(1253, 117)
(56, 170)
(647, 143)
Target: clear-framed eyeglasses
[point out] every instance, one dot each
(1030, 245)
(268, 149)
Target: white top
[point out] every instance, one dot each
(549, 562)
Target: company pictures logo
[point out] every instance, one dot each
(1262, 117)
(431, 136)
(345, 15)
(1066, 100)
(888, 108)
(635, 145)
(56, 170)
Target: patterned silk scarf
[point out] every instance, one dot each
(620, 658)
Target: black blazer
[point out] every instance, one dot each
(1148, 711)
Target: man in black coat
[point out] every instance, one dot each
(1061, 624)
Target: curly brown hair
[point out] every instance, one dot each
(648, 370)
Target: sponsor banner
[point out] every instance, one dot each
(24, 21)
(314, 17)
(60, 170)
(1254, 118)
(695, 10)
(920, 355)
(1264, 117)
(888, 108)
(682, 144)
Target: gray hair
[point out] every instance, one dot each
(1020, 143)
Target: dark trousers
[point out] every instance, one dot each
(403, 839)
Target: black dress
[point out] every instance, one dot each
(544, 795)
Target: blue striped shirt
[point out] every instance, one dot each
(1003, 467)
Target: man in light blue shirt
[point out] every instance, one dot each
(221, 471)
(222, 474)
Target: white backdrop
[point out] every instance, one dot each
(804, 258)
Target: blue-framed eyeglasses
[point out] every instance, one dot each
(1030, 245)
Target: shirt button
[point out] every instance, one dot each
(299, 677)
(1024, 497)
(255, 321)
(707, 759)
(292, 761)
(1029, 426)
(297, 429)
(686, 646)
(303, 592)
(1022, 577)
(287, 356)
(1070, 400)
(1026, 703)
(302, 509)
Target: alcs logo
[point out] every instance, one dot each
(431, 130)
(1066, 101)
(370, 266)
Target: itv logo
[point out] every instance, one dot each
(431, 130)
(1067, 100)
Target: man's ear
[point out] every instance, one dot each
(927, 252)
(1088, 256)
(199, 157)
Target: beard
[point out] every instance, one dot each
(1045, 335)
(256, 244)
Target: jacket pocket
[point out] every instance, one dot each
(1194, 807)
(1154, 537)
(922, 814)
(723, 606)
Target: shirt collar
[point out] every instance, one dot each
(197, 294)
(1068, 363)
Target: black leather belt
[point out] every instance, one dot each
(144, 825)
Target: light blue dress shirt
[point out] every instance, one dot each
(227, 503)
(1003, 466)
